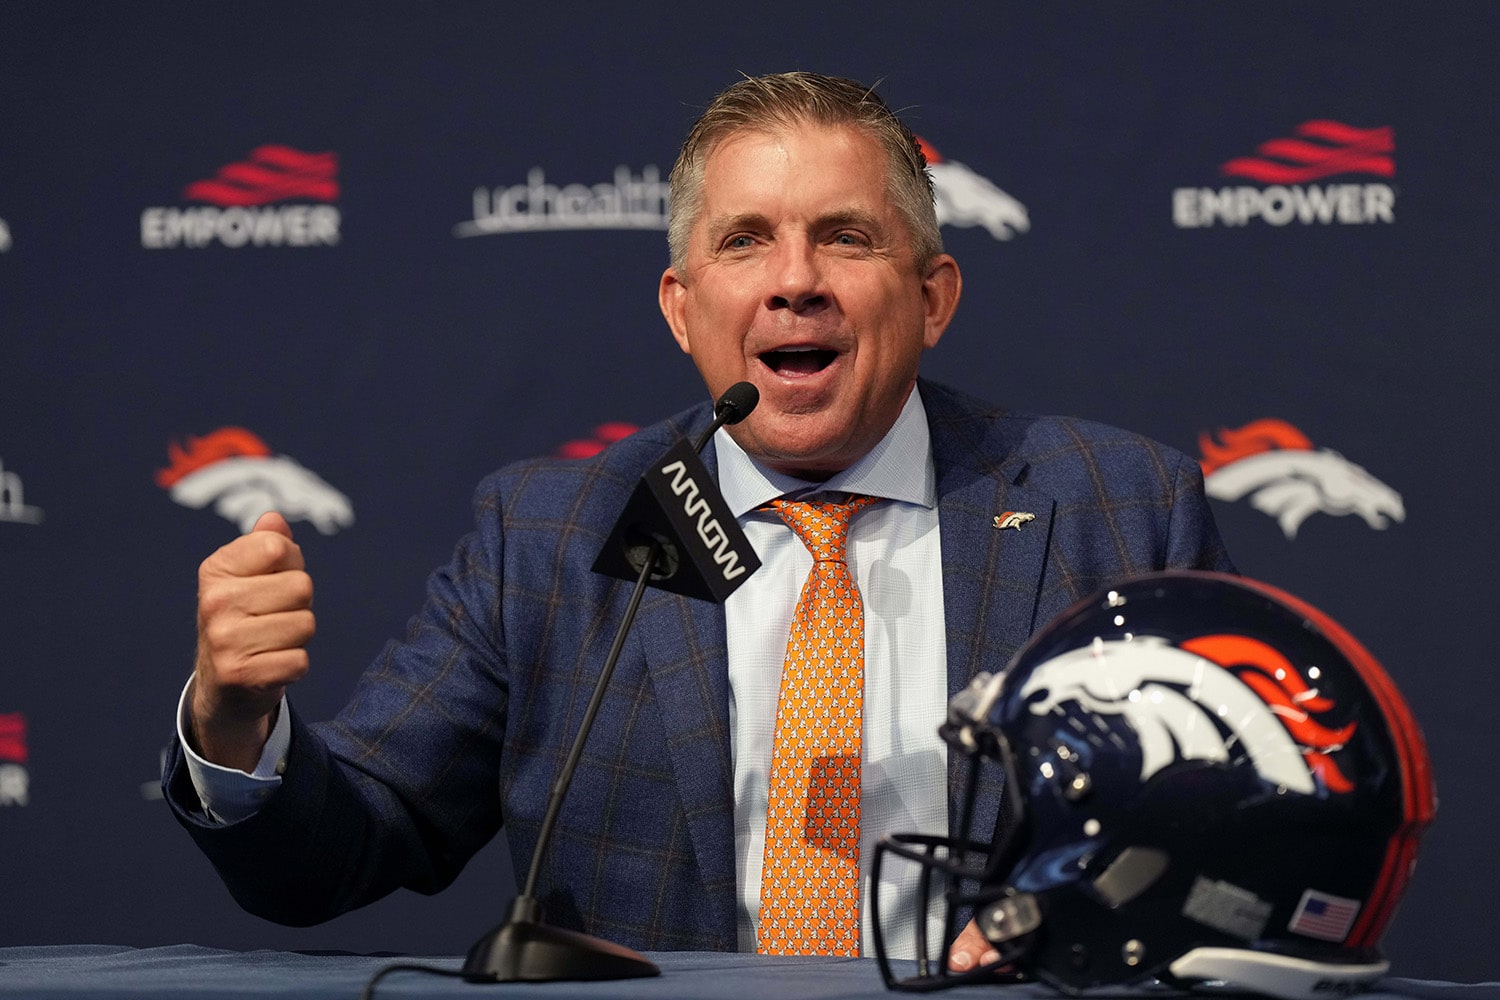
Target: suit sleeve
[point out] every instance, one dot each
(402, 788)
(1193, 540)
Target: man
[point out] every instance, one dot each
(805, 259)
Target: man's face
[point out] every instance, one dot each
(799, 277)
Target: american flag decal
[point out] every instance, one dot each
(1325, 917)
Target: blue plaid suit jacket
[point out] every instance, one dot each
(459, 729)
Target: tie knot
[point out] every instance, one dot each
(823, 525)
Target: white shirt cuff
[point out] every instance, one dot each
(228, 794)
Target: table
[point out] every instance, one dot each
(191, 972)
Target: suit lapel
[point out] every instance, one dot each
(992, 573)
(684, 643)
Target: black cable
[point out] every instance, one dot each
(369, 990)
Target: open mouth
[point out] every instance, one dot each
(795, 362)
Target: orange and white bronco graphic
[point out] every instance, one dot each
(1013, 519)
(235, 471)
(965, 197)
(1210, 697)
(1277, 467)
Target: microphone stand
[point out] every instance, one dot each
(523, 948)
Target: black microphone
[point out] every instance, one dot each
(677, 532)
(737, 402)
(677, 520)
(735, 405)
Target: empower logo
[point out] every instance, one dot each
(967, 198)
(1276, 466)
(235, 471)
(1323, 148)
(272, 173)
(1318, 149)
(13, 738)
(260, 201)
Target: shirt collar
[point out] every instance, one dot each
(889, 470)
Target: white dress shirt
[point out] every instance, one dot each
(893, 551)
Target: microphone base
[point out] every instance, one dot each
(532, 952)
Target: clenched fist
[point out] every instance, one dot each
(254, 621)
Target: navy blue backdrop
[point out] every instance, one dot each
(387, 248)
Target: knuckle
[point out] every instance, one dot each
(268, 546)
(217, 597)
(211, 601)
(214, 568)
(298, 665)
(218, 635)
(233, 672)
(300, 586)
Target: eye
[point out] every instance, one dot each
(849, 238)
(740, 242)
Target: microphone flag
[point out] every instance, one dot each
(704, 552)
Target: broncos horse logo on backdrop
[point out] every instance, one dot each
(1276, 465)
(965, 198)
(235, 471)
(1198, 700)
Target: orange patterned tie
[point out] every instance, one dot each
(809, 887)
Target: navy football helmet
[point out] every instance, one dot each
(1207, 782)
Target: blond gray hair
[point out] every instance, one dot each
(782, 101)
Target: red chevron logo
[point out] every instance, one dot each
(13, 738)
(1321, 148)
(272, 173)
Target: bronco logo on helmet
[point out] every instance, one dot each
(1182, 709)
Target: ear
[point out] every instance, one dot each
(941, 287)
(671, 295)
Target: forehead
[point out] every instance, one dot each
(803, 168)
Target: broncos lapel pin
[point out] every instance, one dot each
(1013, 519)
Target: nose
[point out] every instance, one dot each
(797, 279)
